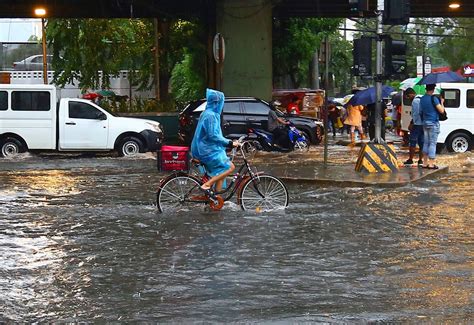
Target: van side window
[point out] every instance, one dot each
(3, 100)
(31, 101)
(452, 97)
(470, 98)
(83, 110)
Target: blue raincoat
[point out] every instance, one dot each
(209, 144)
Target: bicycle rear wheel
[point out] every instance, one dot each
(179, 192)
(263, 193)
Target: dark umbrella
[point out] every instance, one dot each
(397, 99)
(367, 96)
(434, 78)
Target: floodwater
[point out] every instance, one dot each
(81, 240)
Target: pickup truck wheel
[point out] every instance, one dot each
(10, 147)
(130, 146)
(459, 142)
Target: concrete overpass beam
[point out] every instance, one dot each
(247, 29)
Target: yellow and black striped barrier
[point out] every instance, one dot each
(376, 158)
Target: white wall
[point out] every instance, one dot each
(119, 85)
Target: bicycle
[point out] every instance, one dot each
(255, 191)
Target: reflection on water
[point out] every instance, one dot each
(80, 240)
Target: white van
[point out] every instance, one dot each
(31, 119)
(456, 133)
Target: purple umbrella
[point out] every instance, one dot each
(437, 77)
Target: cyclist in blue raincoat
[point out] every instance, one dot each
(209, 144)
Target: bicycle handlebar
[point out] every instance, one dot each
(240, 145)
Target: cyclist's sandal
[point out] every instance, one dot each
(209, 192)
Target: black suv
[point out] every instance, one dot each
(241, 114)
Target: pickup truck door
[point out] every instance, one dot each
(82, 126)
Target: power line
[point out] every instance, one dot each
(441, 25)
(404, 33)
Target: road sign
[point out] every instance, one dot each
(218, 48)
(419, 66)
(427, 65)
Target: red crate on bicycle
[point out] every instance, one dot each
(173, 158)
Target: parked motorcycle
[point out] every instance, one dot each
(263, 140)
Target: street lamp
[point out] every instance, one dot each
(454, 5)
(41, 12)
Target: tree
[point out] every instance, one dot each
(294, 42)
(457, 50)
(83, 48)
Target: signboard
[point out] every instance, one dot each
(419, 66)
(468, 70)
(427, 65)
(218, 48)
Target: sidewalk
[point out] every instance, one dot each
(345, 175)
(340, 171)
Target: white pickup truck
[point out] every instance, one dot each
(32, 119)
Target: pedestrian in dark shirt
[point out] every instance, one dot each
(371, 120)
(333, 115)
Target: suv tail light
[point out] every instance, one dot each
(184, 120)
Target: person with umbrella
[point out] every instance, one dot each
(430, 107)
(354, 118)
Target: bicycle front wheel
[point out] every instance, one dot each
(263, 193)
(179, 192)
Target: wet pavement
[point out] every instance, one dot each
(81, 240)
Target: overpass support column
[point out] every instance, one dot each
(246, 26)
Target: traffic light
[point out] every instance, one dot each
(395, 57)
(396, 12)
(362, 54)
(358, 6)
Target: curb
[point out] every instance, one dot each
(361, 183)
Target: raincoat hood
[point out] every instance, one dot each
(215, 100)
(208, 143)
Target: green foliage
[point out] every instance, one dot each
(84, 47)
(186, 82)
(341, 62)
(294, 42)
(458, 51)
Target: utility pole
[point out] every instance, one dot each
(379, 75)
(45, 59)
(315, 71)
(157, 58)
(326, 88)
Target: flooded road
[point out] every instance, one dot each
(81, 240)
